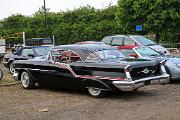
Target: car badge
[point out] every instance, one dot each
(146, 71)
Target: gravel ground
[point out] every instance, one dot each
(161, 102)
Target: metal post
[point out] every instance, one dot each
(45, 18)
(53, 41)
(24, 39)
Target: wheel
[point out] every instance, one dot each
(27, 80)
(11, 68)
(96, 92)
(1, 74)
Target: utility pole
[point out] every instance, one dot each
(24, 39)
(45, 19)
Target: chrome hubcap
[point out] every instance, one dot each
(94, 91)
(25, 79)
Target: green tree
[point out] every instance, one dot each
(159, 17)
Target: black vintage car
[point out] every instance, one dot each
(96, 67)
(24, 53)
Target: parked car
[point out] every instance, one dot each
(1, 74)
(172, 65)
(2, 48)
(123, 40)
(24, 53)
(90, 42)
(96, 67)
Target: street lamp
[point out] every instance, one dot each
(45, 18)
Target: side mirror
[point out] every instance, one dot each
(133, 55)
(31, 55)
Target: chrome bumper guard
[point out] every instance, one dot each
(130, 85)
(15, 75)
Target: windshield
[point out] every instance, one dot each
(104, 54)
(146, 52)
(40, 51)
(144, 41)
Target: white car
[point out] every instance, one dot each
(123, 40)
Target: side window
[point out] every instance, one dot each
(107, 40)
(65, 56)
(129, 41)
(26, 52)
(92, 57)
(117, 41)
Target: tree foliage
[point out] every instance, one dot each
(159, 17)
(82, 24)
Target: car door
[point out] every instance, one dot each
(54, 72)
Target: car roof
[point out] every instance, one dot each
(89, 42)
(135, 35)
(89, 47)
(124, 36)
(36, 46)
(117, 36)
(83, 49)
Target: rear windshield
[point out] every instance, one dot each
(144, 41)
(104, 55)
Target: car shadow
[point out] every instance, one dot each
(175, 81)
(132, 94)
(110, 95)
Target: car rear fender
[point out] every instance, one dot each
(96, 84)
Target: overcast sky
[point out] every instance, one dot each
(28, 7)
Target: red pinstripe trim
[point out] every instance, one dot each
(99, 77)
(66, 66)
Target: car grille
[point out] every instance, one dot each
(143, 72)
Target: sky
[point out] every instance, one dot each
(29, 7)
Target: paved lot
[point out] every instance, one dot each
(161, 102)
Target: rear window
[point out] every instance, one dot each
(107, 40)
(117, 41)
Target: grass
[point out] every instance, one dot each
(7, 79)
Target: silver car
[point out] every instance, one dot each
(123, 40)
(172, 64)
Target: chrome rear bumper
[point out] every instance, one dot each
(130, 85)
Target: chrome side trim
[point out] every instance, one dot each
(35, 69)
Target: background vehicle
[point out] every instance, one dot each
(2, 48)
(123, 40)
(39, 42)
(1, 74)
(89, 42)
(96, 67)
(172, 65)
(24, 53)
